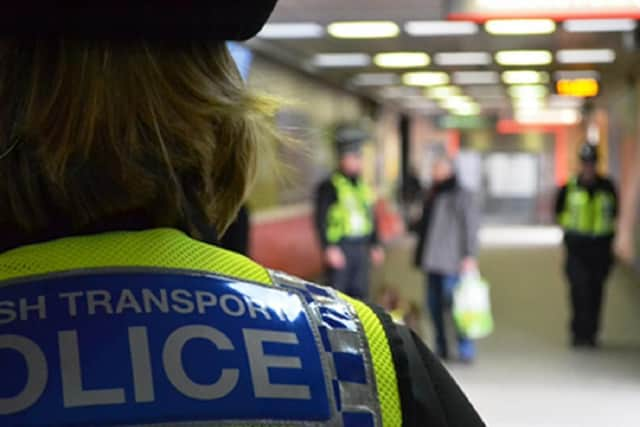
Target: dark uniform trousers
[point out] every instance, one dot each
(588, 264)
(353, 280)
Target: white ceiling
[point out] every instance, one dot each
(330, 10)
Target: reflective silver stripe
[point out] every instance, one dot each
(343, 337)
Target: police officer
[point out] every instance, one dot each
(345, 220)
(587, 208)
(118, 151)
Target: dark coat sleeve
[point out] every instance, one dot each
(561, 197)
(325, 197)
(470, 218)
(429, 395)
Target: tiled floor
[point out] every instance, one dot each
(526, 374)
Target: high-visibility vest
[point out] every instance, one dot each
(139, 328)
(587, 214)
(351, 215)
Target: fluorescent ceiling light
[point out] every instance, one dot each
(329, 60)
(561, 101)
(528, 91)
(525, 77)
(401, 59)
(467, 110)
(442, 92)
(576, 74)
(462, 58)
(299, 30)
(375, 79)
(586, 56)
(363, 30)
(525, 104)
(475, 77)
(520, 26)
(599, 25)
(524, 57)
(426, 78)
(549, 117)
(440, 28)
(454, 102)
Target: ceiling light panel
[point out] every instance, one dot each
(443, 92)
(446, 59)
(586, 56)
(599, 25)
(440, 28)
(528, 91)
(561, 101)
(475, 77)
(426, 78)
(375, 79)
(524, 57)
(364, 30)
(297, 30)
(402, 60)
(338, 60)
(549, 117)
(576, 74)
(520, 26)
(467, 110)
(525, 77)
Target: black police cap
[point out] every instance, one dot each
(166, 19)
(349, 138)
(589, 153)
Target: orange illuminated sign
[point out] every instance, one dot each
(583, 88)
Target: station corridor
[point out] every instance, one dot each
(526, 374)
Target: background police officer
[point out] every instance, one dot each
(345, 220)
(586, 208)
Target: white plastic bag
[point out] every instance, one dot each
(472, 307)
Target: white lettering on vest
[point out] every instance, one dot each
(72, 303)
(172, 360)
(228, 309)
(127, 301)
(7, 312)
(99, 299)
(70, 370)
(40, 307)
(148, 298)
(141, 365)
(260, 364)
(255, 308)
(37, 375)
(204, 300)
(182, 301)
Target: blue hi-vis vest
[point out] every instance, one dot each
(145, 346)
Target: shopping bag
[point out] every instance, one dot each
(472, 307)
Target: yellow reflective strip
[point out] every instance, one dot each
(159, 248)
(383, 366)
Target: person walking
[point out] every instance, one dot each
(345, 220)
(447, 247)
(586, 209)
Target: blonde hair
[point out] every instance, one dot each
(105, 127)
